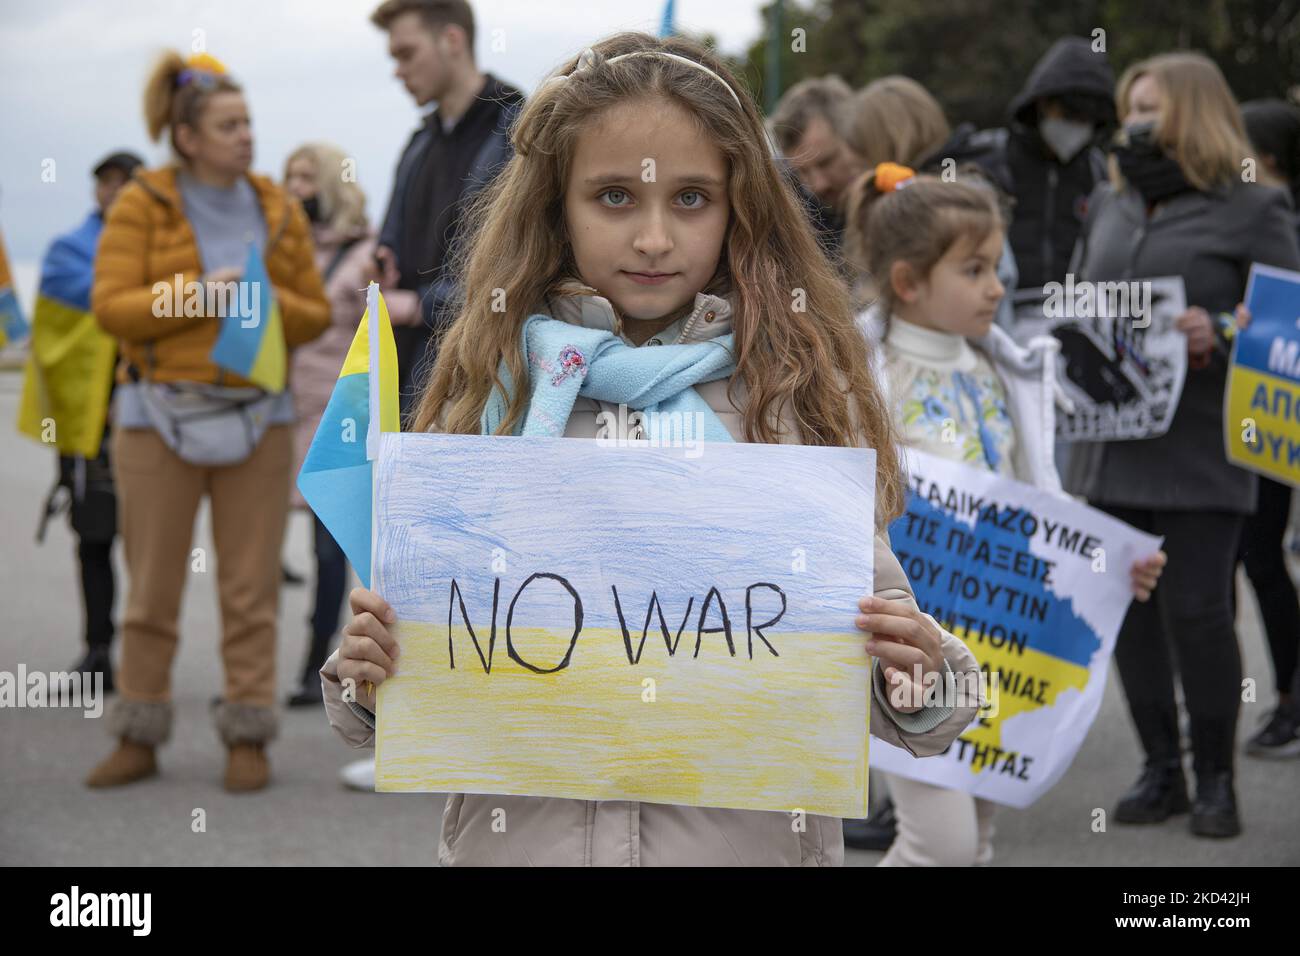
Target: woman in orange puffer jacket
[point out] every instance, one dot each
(173, 233)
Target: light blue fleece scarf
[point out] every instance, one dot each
(565, 361)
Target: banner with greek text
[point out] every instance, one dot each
(1037, 585)
(1261, 416)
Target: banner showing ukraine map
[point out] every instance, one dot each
(1261, 416)
(1037, 586)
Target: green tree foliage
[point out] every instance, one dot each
(974, 55)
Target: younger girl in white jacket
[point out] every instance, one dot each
(959, 388)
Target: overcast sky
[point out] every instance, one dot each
(72, 73)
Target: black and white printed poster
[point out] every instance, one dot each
(1122, 362)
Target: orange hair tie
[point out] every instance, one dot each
(205, 62)
(891, 176)
(202, 69)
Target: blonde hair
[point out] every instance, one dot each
(894, 120)
(169, 103)
(1200, 124)
(812, 362)
(916, 223)
(342, 202)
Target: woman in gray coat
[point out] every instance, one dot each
(1178, 205)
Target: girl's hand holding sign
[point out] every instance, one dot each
(368, 653)
(904, 639)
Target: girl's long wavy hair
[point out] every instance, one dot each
(797, 346)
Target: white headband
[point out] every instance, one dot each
(587, 61)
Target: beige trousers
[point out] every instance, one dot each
(158, 497)
(939, 827)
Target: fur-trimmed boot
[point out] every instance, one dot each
(140, 726)
(245, 730)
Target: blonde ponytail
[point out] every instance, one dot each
(159, 93)
(178, 89)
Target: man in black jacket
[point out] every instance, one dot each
(459, 148)
(1057, 122)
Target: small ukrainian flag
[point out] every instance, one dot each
(336, 477)
(251, 340)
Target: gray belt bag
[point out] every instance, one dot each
(208, 425)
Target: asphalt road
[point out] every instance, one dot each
(306, 817)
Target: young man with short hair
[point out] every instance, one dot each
(459, 148)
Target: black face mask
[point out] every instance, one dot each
(311, 207)
(1144, 164)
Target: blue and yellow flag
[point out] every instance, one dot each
(336, 477)
(13, 324)
(251, 341)
(67, 378)
(69, 369)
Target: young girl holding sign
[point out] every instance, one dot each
(961, 389)
(643, 214)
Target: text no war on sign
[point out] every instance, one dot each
(634, 622)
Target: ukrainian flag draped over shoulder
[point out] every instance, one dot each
(336, 477)
(251, 340)
(69, 370)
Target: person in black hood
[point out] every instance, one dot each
(1056, 123)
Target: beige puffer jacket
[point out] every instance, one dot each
(561, 832)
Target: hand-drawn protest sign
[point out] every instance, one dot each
(1122, 363)
(1261, 416)
(1037, 585)
(626, 622)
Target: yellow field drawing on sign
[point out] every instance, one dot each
(707, 731)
